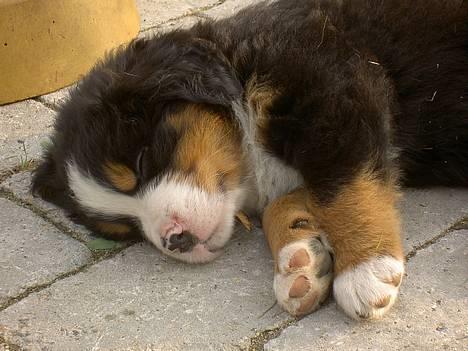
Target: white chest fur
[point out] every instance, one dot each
(269, 177)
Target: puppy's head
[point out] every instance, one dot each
(148, 142)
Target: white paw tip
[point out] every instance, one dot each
(369, 290)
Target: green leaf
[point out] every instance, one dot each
(103, 244)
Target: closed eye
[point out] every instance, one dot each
(140, 164)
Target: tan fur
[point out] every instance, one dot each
(280, 221)
(260, 96)
(122, 177)
(360, 223)
(116, 230)
(208, 150)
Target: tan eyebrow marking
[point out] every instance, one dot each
(208, 149)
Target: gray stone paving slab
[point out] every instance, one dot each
(142, 300)
(428, 212)
(182, 23)
(19, 184)
(430, 315)
(33, 252)
(229, 8)
(28, 121)
(156, 12)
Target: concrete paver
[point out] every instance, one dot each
(182, 23)
(229, 7)
(55, 99)
(26, 122)
(431, 313)
(32, 252)
(156, 12)
(427, 212)
(20, 183)
(141, 299)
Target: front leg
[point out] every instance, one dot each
(363, 228)
(361, 225)
(303, 265)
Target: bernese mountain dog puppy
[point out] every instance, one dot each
(310, 113)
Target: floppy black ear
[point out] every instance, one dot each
(199, 73)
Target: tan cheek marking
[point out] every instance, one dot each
(122, 177)
(116, 229)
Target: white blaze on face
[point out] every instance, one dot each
(164, 205)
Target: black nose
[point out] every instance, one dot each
(184, 242)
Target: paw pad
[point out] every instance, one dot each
(299, 259)
(299, 283)
(300, 287)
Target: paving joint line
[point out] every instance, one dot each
(196, 12)
(50, 106)
(83, 268)
(257, 342)
(9, 195)
(458, 225)
(9, 172)
(96, 256)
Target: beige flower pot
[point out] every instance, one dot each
(48, 44)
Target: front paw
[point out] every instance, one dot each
(304, 275)
(369, 290)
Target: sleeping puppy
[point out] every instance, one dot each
(309, 113)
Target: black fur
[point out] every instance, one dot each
(119, 108)
(331, 118)
(378, 84)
